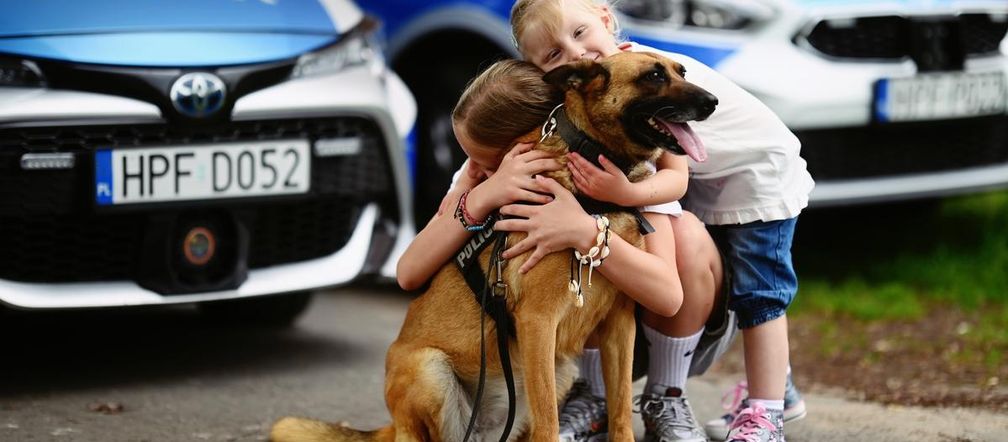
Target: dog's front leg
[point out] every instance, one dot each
(536, 344)
(617, 340)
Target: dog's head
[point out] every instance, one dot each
(634, 102)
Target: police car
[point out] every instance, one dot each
(235, 154)
(892, 100)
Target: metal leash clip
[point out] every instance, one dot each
(551, 124)
(500, 287)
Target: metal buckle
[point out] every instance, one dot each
(499, 289)
(551, 124)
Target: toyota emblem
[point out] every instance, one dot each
(198, 94)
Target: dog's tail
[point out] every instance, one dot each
(295, 429)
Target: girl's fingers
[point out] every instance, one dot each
(579, 179)
(526, 146)
(533, 155)
(554, 188)
(519, 149)
(522, 210)
(543, 165)
(608, 165)
(511, 225)
(538, 198)
(517, 249)
(532, 260)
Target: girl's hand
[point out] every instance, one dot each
(513, 181)
(559, 225)
(606, 184)
(470, 177)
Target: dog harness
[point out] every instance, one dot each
(494, 305)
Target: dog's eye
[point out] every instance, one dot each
(657, 76)
(682, 71)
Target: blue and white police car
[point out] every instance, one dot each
(235, 154)
(892, 99)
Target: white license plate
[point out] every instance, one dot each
(201, 172)
(940, 96)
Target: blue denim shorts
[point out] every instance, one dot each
(758, 259)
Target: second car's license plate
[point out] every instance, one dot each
(200, 172)
(940, 96)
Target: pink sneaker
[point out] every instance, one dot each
(757, 424)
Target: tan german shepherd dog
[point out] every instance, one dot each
(634, 103)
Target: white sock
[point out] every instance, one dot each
(591, 371)
(769, 404)
(670, 360)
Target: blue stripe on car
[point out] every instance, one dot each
(411, 155)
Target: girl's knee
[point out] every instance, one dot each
(695, 250)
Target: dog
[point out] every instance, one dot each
(635, 104)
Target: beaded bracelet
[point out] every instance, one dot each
(593, 258)
(467, 220)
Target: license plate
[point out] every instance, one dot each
(202, 172)
(940, 96)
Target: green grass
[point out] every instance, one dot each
(896, 262)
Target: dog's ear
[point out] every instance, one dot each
(577, 75)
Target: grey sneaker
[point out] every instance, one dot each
(583, 417)
(734, 402)
(668, 418)
(757, 424)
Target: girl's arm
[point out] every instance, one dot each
(563, 224)
(611, 184)
(444, 234)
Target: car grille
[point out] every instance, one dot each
(896, 37)
(50, 230)
(904, 148)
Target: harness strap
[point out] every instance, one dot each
(467, 260)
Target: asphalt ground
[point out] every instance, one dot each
(164, 374)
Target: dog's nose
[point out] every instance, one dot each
(706, 102)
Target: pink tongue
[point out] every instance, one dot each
(689, 141)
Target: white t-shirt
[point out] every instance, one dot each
(753, 171)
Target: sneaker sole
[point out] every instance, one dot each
(649, 438)
(796, 412)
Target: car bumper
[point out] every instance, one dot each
(378, 230)
(855, 159)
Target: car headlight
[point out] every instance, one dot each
(20, 73)
(710, 14)
(358, 47)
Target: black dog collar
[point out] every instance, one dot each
(586, 146)
(580, 142)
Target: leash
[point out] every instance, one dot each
(467, 260)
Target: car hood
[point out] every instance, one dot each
(172, 32)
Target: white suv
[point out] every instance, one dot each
(197, 152)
